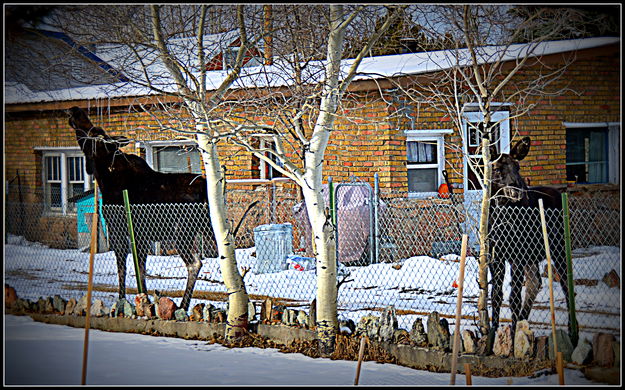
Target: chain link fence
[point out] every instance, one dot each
(392, 250)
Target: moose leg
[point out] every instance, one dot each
(193, 264)
(121, 273)
(532, 287)
(516, 286)
(497, 273)
(142, 260)
(560, 266)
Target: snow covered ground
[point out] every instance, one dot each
(44, 354)
(415, 286)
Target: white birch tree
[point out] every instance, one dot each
(318, 101)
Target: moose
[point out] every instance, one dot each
(515, 234)
(116, 171)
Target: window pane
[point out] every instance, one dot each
(586, 155)
(177, 159)
(422, 180)
(53, 167)
(53, 195)
(474, 136)
(74, 189)
(74, 168)
(422, 152)
(270, 172)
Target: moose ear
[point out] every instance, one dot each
(521, 149)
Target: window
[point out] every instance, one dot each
(266, 170)
(230, 56)
(64, 177)
(173, 156)
(592, 152)
(425, 160)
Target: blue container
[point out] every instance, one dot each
(84, 206)
(84, 210)
(274, 243)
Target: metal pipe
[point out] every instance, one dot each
(132, 242)
(569, 268)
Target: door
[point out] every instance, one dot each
(472, 127)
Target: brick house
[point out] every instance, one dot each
(575, 135)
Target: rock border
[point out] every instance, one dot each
(405, 355)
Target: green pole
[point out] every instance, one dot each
(132, 242)
(332, 201)
(569, 268)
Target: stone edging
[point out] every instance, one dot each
(406, 355)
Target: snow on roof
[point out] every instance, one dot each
(275, 75)
(425, 62)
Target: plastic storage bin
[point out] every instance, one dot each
(274, 243)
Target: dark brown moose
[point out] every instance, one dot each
(116, 171)
(515, 234)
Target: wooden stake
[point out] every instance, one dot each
(467, 373)
(551, 299)
(560, 367)
(456, 346)
(94, 244)
(361, 354)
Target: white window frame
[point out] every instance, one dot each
(437, 136)
(264, 140)
(150, 146)
(614, 142)
(63, 153)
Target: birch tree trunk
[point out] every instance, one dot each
(322, 228)
(482, 306)
(237, 316)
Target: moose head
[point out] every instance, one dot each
(508, 186)
(93, 141)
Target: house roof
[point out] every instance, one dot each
(41, 59)
(273, 75)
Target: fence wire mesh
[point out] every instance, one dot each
(392, 250)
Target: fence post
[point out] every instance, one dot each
(272, 199)
(332, 201)
(94, 246)
(132, 242)
(551, 299)
(569, 268)
(456, 340)
(376, 226)
(332, 205)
